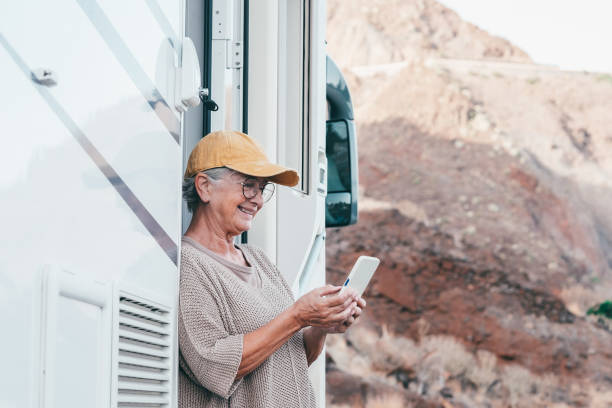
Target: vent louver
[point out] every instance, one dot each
(144, 354)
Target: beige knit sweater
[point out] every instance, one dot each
(216, 308)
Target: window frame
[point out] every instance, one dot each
(290, 74)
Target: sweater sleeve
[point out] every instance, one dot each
(211, 353)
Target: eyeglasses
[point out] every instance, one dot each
(250, 188)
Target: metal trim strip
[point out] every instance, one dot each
(129, 63)
(145, 217)
(161, 19)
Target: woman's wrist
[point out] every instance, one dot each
(314, 340)
(296, 316)
(318, 331)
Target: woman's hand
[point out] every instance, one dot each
(327, 307)
(342, 327)
(320, 302)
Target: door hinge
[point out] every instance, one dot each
(234, 54)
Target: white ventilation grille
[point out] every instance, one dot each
(144, 354)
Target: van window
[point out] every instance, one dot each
(338, 161)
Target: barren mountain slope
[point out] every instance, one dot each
(486, 191)
(364, 32)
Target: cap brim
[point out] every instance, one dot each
(273, 172)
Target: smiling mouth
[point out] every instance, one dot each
(247, 211)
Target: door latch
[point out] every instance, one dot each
(209, 104)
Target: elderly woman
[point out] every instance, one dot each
(244, 341)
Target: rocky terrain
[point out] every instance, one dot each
(486, 190)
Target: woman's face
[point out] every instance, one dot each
(232, 210)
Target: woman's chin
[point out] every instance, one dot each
(242, 222)
(243, 226)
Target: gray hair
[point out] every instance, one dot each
(190, 193)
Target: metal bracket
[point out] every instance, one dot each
(44, 76)
(235, 52)
(220, 20)
(203, 93)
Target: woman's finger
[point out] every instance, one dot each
(340, 317)
(361, 302)
(338, 299)
(352, 292)
(357, 312)
(349, 302)
(348, 313)
(348, 307)
(328, 290)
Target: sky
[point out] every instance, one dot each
(572, 34)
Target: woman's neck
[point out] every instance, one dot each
(202, 230)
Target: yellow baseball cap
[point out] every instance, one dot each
(237, 151)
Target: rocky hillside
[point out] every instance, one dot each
(486, 185)
(385, 31)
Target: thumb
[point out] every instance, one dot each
(329, 289)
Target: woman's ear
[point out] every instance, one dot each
(203, 185)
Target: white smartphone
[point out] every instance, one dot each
(362, 272)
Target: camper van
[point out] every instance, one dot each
(103, 101)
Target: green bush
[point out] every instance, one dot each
(604, 77)
(603, 309)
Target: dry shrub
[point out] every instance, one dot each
(484, 373)
(436, 362)
(348, 358)
(386, 401)
(546, 385)
(451, 354)
(601, 398)
(362, 338)
(423, 327)
(519, 382)
(391, 352)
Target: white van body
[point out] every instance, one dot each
(93, 152)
